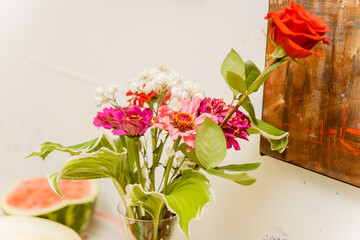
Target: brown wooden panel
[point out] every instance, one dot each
(318, 102)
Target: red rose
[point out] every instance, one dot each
(297, 31)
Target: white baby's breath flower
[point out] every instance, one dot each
(99, 91)
(144, 75)
(98, 101)
(106, 100)
(148, 88)
(188, 90)
(160, 78)
(170, 152)
(134, 85)
(163, 67)
(179, 93)
(112, 89)
(175, 79)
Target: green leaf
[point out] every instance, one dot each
(278, 138)
(239, 167)
(151, 202)
(251, 72)
(103, 163)
(187, 196)
(210, 144)
(242, 178)
(236, 82)
(235, 64)
(279, 52)
(89, 146)
(269, 39)
(256, 85)
(191, 155)
(247, 105)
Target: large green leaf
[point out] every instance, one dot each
(89, 146)
(187, 196)
(151, 202)
(236, 82)
(278, 138)
(251, 72)
(239, 167)
(103, 163)
(210, 144)
(235, 64)
(259, 81)
(242, 178)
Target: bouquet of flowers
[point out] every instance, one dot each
(170, 135)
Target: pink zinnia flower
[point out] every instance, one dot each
(237, 125)
(183, 123)
(130, 121)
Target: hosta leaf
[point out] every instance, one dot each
(239, 167)
(100, 164)
(236, 82)
(187, 195)
(242, 178)
(210, 144)
(152, 202)
(235, 64)
(89, 146)
(278, 138)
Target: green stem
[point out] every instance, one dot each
(169, 164)
(121, 191)
(177, 169)
(246, 94)
(137, 161)
(156, 224)
(154, 143)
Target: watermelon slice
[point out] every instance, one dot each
(32, 228)
(34, 197)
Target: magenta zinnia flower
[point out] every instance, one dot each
(104, 119)
(183, 123)
(130, 121)
(237, 125)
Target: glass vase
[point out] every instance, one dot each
(137, 229)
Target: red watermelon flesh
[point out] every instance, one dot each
(36, 194)
(34, 197)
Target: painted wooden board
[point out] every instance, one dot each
(318, 102)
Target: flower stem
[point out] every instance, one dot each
(169, 164)
(137, 162)
(121, 191)
(246, 94)
(242, 99)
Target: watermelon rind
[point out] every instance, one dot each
(75, 214)
(24, 227)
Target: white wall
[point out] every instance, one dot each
(53, 54)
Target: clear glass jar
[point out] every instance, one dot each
(137, 229)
